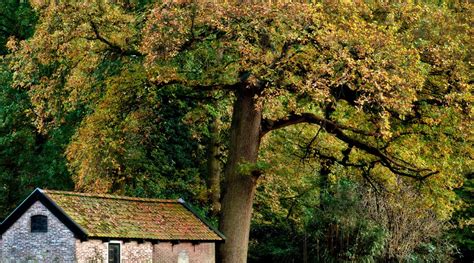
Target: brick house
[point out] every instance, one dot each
(57, 226)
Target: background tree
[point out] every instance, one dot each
(463, 220)
(17, 19)
(131, 139)
(28, 158)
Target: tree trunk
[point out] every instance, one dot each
(239, 188)
(305, 247)
(213, 167)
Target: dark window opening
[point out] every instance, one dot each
(114, 253)
(39, 224)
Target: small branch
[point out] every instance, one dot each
(365, 167)
(202, 36)
(320, 155)
(284, 52)
(346, 154)
(308, 147)
(366, 175)
(193, 21)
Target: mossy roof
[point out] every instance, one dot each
(109, 216)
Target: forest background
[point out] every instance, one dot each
(332, 131)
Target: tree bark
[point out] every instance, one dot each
(213, 167)
(239, 188)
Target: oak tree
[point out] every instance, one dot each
(380, 78)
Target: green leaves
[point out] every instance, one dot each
(28, 159)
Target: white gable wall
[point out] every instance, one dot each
(18, 244)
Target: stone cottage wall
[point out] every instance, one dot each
(18, 244)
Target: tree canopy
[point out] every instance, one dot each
(128, 92)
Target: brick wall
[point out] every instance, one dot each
(18, 244)
(166, 252)
(135, 252)
(93, 251)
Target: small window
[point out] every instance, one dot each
(39, 224)
(114, 252)
(183, 257)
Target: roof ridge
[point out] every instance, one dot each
(109, 196)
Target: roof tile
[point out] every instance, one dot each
(110, 216)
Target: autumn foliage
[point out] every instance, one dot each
(291, 98)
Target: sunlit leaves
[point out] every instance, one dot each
(397, 72)
(62, 66)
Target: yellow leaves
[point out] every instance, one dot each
(170, 29)
(107, 137)
(59, 65)
(385, 128)
(13, 44)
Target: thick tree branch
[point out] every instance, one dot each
(364, 167)
(328, 125)
(338, 130)
(114, 47)
(241, 83)
(198, 86)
